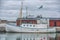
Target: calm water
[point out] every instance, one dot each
(29, 36)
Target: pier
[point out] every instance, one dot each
(2, 27)
(58, 29)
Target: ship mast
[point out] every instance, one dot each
(20, 15)
(21, 12)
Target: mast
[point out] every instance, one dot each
(21, 12)
(20, 15)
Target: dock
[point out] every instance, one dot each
(58, 29)
(2, 27)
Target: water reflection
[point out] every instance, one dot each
(29, 36)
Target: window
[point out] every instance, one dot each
(30, 25)
(33, 25)
(23, 25)
(55, 23)
(27, 25)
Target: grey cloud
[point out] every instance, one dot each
(51, 8)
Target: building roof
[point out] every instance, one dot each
(54, 18)
(38, 18)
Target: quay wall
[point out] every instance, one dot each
(2, 27)
(58, 29)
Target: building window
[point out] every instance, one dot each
(55, 23)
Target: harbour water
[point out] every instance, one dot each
(29, 36)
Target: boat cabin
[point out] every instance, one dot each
(19, 21)
(24, 20)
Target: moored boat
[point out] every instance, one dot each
(10, 28)
(30, 24)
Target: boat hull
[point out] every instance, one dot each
(24, 29)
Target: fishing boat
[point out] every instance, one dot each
(30, 24)
(30, 28)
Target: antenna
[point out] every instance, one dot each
(26, 12)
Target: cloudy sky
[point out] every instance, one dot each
(9, 9)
